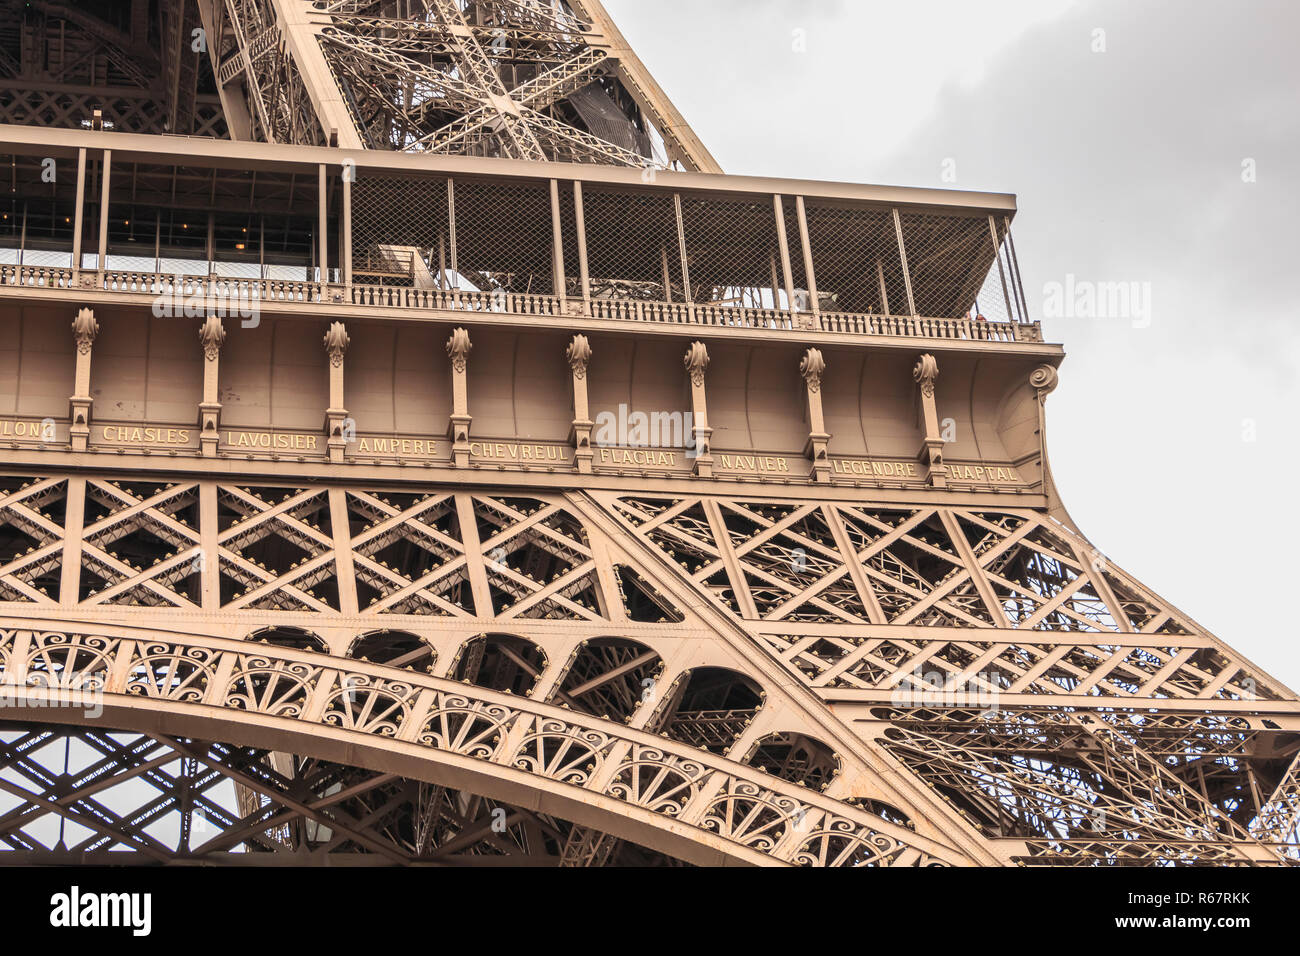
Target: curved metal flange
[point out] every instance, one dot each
(654, 791)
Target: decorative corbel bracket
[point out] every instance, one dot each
(458, 349)
(926, 373)
(578, 355)
(85, 328)
(337, 421)
(697, 363)
(212, 335)
(817, 449)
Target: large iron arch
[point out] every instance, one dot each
(661, 794)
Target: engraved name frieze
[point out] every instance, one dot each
(271, 441)
(395, 446)
(874, 468)
(139, 436)
(618, 457)
(520, 453)
(42, 430)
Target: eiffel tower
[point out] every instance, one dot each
(416, 450)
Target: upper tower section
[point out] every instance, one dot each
(516, 79)
(512, 159)
(494, 176)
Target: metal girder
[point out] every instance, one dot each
(539, 663)
(496, 82)
(63, 62)
(538, 93)
(689, 149)
(1152, 765)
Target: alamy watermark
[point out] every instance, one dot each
(44, 691)
(938, 689)
(636, 429)
(75, 909)
(1085, 299)
(198, 299)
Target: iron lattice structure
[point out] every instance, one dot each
(432, 593)
(522, 79)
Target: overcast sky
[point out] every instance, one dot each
(1131, 131)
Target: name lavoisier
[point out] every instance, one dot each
(287, 441)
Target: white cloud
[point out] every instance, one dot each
(870, 75)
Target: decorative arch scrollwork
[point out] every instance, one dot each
(597, 765)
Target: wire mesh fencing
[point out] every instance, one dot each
(401, 230)
(420, 238)
(732, 251)
(856, 259)
(504, 236)
(958, 269)
(633, 251)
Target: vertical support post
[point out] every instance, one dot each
(926, 374)
(668, 278)
(74, 524)
(341, 532)
(337, 424)
(558, 278)
(884, 292)
(212, 335)
(812, 367)
(80, 214)
(105, 181)
(902, 255)
(997, 254)
(681, 248)
(458, 349)
(209, 547)
(806, 242)
(345, 214)
(84, 329)
(783, 243)
(1017, 281)
(579, 357)
(697, 363)
(480, 587)
(210, 244)
(322, 230)
(451, 229)
(580, 217)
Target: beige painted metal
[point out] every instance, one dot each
(493, 575)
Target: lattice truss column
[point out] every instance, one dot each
(1068, 711)
(61, 64)
(265, 91)
(509, 78)
(1046, 707)
(515, 594)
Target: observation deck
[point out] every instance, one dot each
(211, 227)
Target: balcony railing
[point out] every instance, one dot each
(234, 293)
